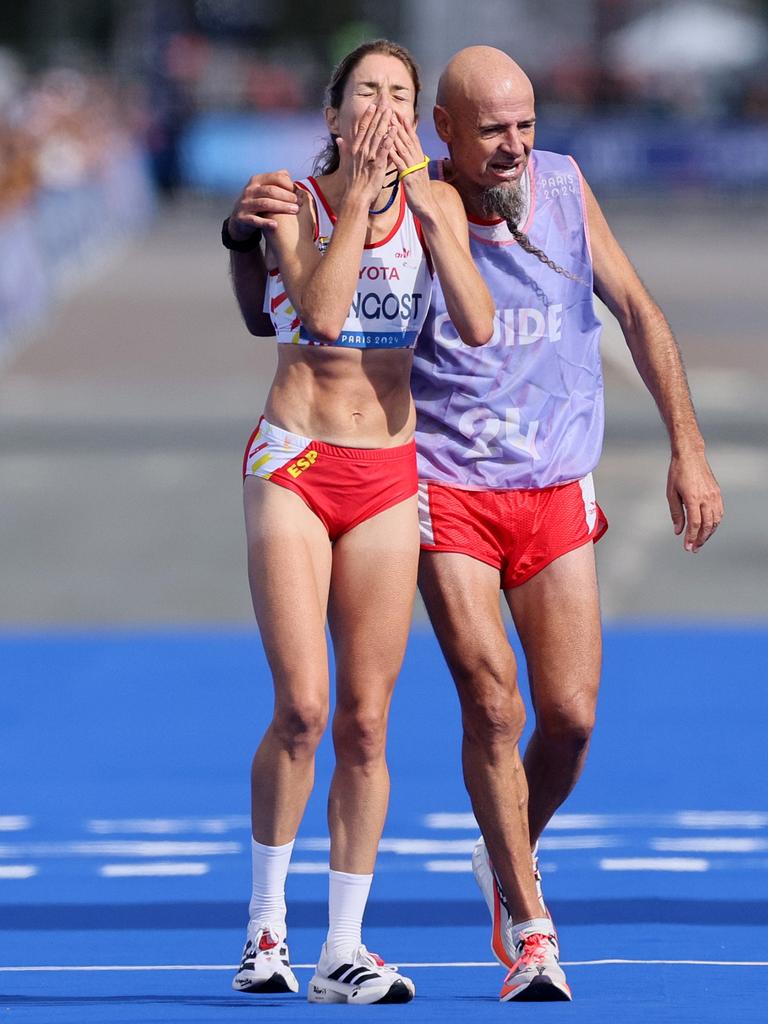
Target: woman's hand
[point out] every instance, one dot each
(407, 152)
(364, 163)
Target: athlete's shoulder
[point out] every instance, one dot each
(445, 194)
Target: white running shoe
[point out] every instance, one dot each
(502, 943)
(265, 966)
(536, 976)
(502, 946)
(361, 978)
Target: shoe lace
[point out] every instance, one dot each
(533, 951)
(267, 940)
(377, 960)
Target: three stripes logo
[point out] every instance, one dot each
(351, 975)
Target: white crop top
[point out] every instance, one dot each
(392, 296)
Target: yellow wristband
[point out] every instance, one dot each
(416, 167)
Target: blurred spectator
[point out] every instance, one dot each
(72, 184)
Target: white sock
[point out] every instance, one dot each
(542, 925)
(347, 896)
(270, 868)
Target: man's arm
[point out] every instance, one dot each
(263, 196)
(692, 491)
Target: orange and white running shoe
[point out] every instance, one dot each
(502, 943)
(536, 975)
(502, 946)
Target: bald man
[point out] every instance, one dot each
(507, 438)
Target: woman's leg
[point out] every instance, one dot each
(289, 566)
(372, 587)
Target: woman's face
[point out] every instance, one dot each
(377, 77)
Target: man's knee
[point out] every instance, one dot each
(491, 706)
(566, 726)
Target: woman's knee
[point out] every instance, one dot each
(360, 734)
(299, 725)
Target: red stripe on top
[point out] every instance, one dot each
(480, 220)
(371, 245)
(277, 300)
(316, 232)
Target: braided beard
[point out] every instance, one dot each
(509, 202)
(506, 201)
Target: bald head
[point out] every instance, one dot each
(482, 76)
(485, 116)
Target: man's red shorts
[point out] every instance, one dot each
(517, 532)
(342, 486)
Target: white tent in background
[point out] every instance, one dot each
(689, 36)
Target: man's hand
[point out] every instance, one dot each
(694, 497)
(264, 194)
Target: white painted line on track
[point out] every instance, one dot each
(449, 866)
(654, 864)
(411, 966)
(309, 867)
(14, 822)
(168, 826)
(710, 844)
(154, 869)
(119, 848)
(19, 871)
(701, 820)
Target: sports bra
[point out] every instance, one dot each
(392, 295)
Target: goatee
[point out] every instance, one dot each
(506, 201)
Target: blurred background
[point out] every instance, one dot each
(128, 385)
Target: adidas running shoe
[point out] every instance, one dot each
(362, 978)
(536, 976)
(265, 966)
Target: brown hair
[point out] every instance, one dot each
(327, 161)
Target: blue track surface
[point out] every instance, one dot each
(130, 752)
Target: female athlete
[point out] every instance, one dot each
(330, 496)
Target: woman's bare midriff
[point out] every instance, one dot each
(349, 397)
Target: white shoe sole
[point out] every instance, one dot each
(324, 990)
(540, 990)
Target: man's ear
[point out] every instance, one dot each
(442, 123)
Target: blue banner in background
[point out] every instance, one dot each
(220, 152)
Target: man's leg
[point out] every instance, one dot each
(557, 616)
(462, 598)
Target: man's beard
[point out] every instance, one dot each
(506, 201)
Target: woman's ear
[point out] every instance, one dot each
(332, 119)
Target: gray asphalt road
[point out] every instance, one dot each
(122, 426)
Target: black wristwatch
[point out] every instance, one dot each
(247, 245)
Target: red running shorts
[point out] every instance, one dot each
(517, 532)
(342, 486)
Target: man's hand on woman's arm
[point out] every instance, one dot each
(263, 196)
